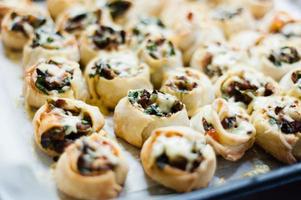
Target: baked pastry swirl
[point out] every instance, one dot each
(243, 85)
(100, 38)
(91, 168)
(19, 25)
(215, 59)
(47, 44)
(191, 87)
(118, 72)
(277, 121)
(227, 127)
(54, 77)
(178, 158)
(76, 19)
(161, 55)
(59, 122)
(142, 111)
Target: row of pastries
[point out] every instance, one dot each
(186, 81)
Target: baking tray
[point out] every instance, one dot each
(26, 173)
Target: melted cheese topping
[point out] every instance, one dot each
(165, 102)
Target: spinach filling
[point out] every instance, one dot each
(182, 84)
(46, 85)
(104, 69)
(160, 48)
(147, 101)
(287, 55)
(107, 38)
(82, 20)
(56, 138)
(19, 21)
(89, 164)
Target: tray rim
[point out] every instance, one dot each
(246, 186)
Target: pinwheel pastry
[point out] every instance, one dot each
(233, 19)
(76, 19)
(227, 128)
(61, 121)
(278, 125)
(142, 111)
(161, 55)
(187, 23)
(110, 77)
(97, 39)
(215, 59)
(190, 86)
(277, 61)
(291, 82)
(19, 25)
(260, 8)
(178, 158)
(48, 44)
(243, 85)
(91, 168)
(275, 21)
(55, 77)
(56, 7)
(145, 26)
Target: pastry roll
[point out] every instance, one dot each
(100, 38)
(215, 59)
(233, 19)
(55, 77)
(142, 111)
(144, 27)
(118, 72)
(48, 44)
(91, 168)
(291, 83)
(274, 21)
(277, 61)
(191, 87)
(227, 128)
(277, 121)
(161, 55)
(178, 158)
(76, 19)
(19, 25)
(243, 85)
(187, 23)
(61, 121)
(260, 8)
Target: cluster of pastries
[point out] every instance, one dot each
(187, 80)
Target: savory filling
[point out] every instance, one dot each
(227, 14)
(113, 67)
(177, 152)
(296, 77)
(218, 60)
(160, 48)
(107, 38)
(96, 157)
(285, 117)
(155, 103)
(53, 77)
(26, 23)
(244, 89)
(79, 20)
(182, 83)
(118, 7)
(209, 129)
(48, 40)
(147, 27)
(288, 55)
(74, 124)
